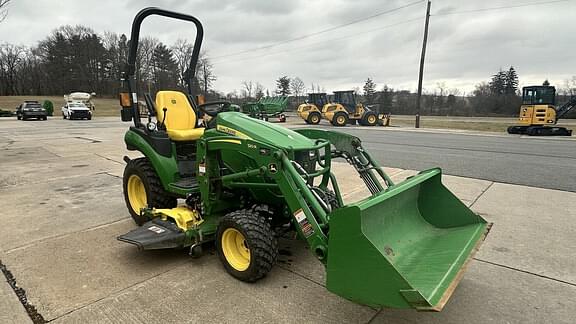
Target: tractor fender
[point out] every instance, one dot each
(166, 167)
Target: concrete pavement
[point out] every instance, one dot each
(66, 208)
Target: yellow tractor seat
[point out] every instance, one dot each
(180, 117)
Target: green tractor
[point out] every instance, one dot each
(239, 182)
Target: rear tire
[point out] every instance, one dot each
(313, 118)
(18, 117)
(142, 188)
(246, 245)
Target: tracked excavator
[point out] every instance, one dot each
(539, 113)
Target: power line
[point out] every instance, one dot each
(359, 20)
(318, 43)
(499, 8)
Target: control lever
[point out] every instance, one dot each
(162, 125)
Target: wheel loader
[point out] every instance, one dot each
(345, 110)
(311, 110)
(539, 113)
(239, 182)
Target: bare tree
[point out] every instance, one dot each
(298, 87)
(144, 62)
(455, 92)
(248, 88)
(3, 9)
(182, 51)
(569, 88)
(205, 73)
(11, 56)
(317, 88)
(441, 87)
(259, 91)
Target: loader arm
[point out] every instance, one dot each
(405, 246)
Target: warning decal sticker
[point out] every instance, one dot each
(300, 217)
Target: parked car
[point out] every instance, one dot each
(31, 109)
(76, 110)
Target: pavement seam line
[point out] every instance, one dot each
(107, 158)
(114, 293)
(27, 245)
(20, 292)
(481, 194)
(299, 275)
(526, 272)
(374, 317)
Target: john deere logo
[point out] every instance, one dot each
(173, 101)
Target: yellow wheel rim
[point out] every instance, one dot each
(235, 249)
(314, 119)
(371, 119)
(341, 120)
(136, 193)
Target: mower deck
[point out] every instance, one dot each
(155, 234)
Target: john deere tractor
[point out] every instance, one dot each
(311, 110)
(239, 181)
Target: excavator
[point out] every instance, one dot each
(539, 113)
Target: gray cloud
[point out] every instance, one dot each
(463, 49)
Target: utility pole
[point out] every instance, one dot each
(418, 100)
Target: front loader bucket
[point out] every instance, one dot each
(406, 247)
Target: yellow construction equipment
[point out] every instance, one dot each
(311, 110)
(538, 113)
(344, 110)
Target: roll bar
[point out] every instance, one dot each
(135, 34)
(129, 102)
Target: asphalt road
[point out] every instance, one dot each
(545, 162)
(548, 162)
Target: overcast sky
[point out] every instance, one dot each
(463, 49)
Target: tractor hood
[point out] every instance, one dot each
(241, 125)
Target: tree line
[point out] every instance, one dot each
(77, 58)
(499, 96)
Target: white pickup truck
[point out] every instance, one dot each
(83, 97)
(76, 110)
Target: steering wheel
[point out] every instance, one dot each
(219, 106)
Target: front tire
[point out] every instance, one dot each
(142, 188)
(340, 119)
(246, 245)
(369, 119)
